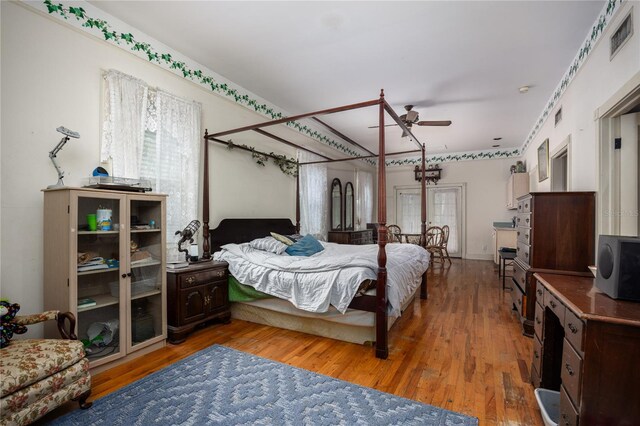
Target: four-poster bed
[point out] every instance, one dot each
(244, 232)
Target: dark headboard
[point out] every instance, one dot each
(244, 230)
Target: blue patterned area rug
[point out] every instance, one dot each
(222, 386)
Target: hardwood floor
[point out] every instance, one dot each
(462, 349)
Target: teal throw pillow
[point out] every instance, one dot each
(306, 246)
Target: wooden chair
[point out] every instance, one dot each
(445, 242)
(394, 233)
(435, 237)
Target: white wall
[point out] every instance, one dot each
(51, 76)
(486, 197)
(596, 81)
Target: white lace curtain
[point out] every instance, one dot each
(445, 212)
(364, 199)
(313, 197)
(154, 135)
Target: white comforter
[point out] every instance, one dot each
(329, 277)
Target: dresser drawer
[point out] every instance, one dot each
(516, 296)
(523, 252)
(568, 413)
(538, 320)
(519, 276)
(524, 206)
(573, 330)
(551, 302)
(524, 235)
(540, 292)
(571, 372)
(537, 353)
(198, 278)
(523, 220)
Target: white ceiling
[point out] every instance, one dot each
(461, 61)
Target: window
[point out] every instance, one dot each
(151, 134)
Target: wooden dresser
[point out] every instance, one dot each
(364, 236)
(196, 294)
(556, 232)
(586, 346)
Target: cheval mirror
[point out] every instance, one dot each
(336, 205)
(348, 206)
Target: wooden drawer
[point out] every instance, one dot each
(524, 206)
(516, 296)
(198, 278)
(537, 354)
(524, 235)
(519, 276)
(540, 292)
(538, 320)
(523, 220)
(568, 413)
(523, 252)
(571, 372)
(573, 330)
(551, 302)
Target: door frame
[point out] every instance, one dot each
(608, 179)
(463, 208)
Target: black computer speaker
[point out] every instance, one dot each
(619, 267)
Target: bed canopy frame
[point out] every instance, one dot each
(377, 303)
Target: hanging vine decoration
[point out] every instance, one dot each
(287, 165)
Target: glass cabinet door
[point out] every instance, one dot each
(146, 250)
(99, 308)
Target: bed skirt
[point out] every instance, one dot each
(354, 326)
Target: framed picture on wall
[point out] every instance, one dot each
(543, 160)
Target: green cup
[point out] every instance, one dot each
(91, 221)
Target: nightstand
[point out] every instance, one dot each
(195, 295)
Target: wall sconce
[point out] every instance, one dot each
(432, 173)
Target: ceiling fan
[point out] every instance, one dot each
(411, 117)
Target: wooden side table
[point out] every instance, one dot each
(195, 295)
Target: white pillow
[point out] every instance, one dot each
(269, 244)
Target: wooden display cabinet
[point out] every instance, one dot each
(199, 294)
(126, 309)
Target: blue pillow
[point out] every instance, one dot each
(306, 246)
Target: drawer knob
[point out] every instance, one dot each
(566, 420)
(538, 320)
(552, 303)
(220, 273)
(535, 354)
(573, 328)
(569, 369)
(191, 280)
(526, 206)
(527, 220)
(539, 293)
(518, 233)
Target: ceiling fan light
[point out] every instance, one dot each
(411, 116)
(404, 134)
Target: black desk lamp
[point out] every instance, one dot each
(52, 154)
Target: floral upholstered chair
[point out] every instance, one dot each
(38, 375)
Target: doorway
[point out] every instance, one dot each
(445, 206)
(560, 167)
(619, 157)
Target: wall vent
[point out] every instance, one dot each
(621, 35)
(558, 117)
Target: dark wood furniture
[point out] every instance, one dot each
(336, 208)
(196, 294)
(364, 236)
(556, 232)
(586, 346)
(382, 108)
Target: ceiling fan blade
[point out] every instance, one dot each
(434, 123)
(386, 125)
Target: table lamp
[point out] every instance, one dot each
(54, 152)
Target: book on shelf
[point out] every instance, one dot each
(177, 264)
(85, 303)
(92, 267)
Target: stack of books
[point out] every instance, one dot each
(85, 303)
(177, 264)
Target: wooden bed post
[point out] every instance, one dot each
(297, 197)
(382, 344)
(206, 254)
(423, 225)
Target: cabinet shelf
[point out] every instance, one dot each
(147, 263)
(102, 300)
(98, 232)
(98, 271)
(144, 231)
(145, 294)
